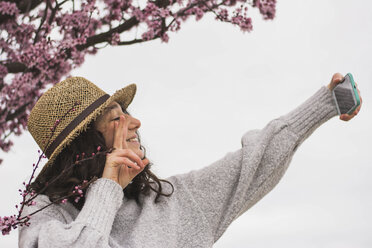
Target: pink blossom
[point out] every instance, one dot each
(6, 223)
(165, 38)
(223, 14)
(199, 13)
(115, 39)
(267, 8)
(148, 35)
(8, 8)
(3, 71)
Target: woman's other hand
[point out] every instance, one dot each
(122, 164)
(336, 79)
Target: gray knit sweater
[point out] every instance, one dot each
(204, 203)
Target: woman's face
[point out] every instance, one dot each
(105, 124)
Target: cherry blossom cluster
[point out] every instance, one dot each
(6, 224)
(42, 41)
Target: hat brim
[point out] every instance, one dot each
(123, 96)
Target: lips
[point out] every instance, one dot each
(135, 136)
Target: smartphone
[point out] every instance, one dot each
(346, 96)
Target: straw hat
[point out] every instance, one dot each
(73, 103)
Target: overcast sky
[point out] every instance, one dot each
(198, 94)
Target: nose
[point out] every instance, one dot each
(134, 123)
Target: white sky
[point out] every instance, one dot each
(198, 94)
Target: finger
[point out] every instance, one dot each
(347, 117)
(145, 161)
(337, 77)
(131, 155)
(360, 97)
(131, 164)
(357, 110)
(118, 133)
(125, 133)
(126, 162)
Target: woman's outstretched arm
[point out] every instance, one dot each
(230, 186)
(53, 227)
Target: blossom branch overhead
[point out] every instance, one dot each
(42, 41)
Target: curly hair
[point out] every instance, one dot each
(87, 143)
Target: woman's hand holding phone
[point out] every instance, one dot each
(337, 79)
(122, 164)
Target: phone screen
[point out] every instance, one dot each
(344, 95)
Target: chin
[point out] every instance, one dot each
(140, 153)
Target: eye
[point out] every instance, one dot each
(116, 119)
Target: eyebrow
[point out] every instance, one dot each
(109, 108)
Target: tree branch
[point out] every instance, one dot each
(103, 37)
(130, 42)
(15, 67)
(42, 22)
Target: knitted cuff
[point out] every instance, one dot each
(312, 113)
(103, 199)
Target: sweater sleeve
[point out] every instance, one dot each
(91, 228)
(230, 186)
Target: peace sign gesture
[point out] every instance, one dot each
(122, 164)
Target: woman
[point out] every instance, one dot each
(128, 206)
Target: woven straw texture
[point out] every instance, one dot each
(58, 100)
